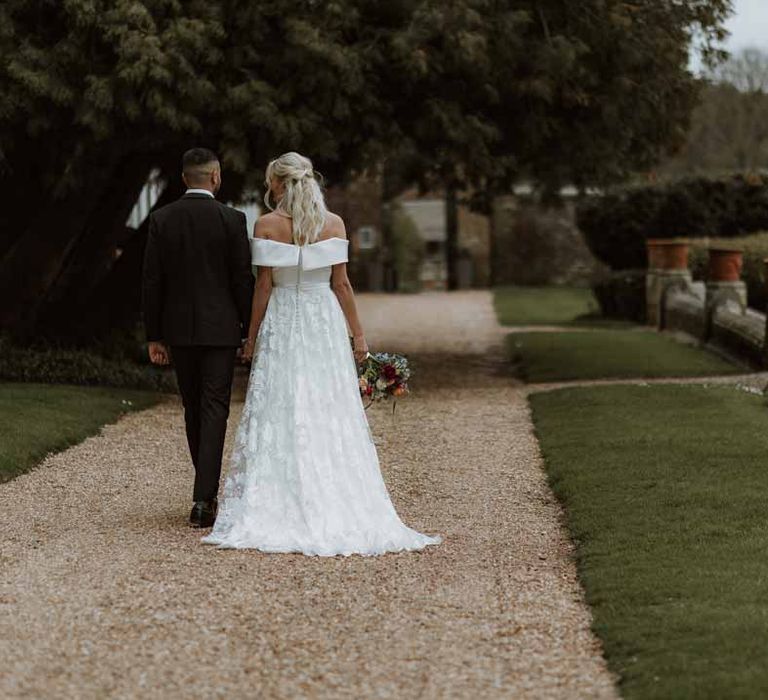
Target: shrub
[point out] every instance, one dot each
(72, 366)
(408, 250)
(616, 225)
(621, 294)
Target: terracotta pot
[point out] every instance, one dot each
(667, 253)
(655, 253)
(725, 264)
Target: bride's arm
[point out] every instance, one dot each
(261, 293)
(342, 287)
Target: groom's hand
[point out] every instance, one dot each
(158, 354)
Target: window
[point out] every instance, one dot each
(366, 237)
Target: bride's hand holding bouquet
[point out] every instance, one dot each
(360, 348)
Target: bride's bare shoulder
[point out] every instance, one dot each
(334, 226)
(273, 227)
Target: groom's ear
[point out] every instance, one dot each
(184, 179)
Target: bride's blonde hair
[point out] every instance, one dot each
(302, 198)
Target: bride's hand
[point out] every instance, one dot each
(360, 347)
(249, 348)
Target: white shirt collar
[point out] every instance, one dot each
(197, 190)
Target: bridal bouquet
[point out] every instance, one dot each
(383, 374)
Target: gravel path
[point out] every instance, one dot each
(106, 593)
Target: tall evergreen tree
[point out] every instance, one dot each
(549, 91)
(467, 93)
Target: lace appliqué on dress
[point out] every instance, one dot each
(304, 474)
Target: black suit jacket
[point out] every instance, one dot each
(197, 285)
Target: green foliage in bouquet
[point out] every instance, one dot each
(383, 375)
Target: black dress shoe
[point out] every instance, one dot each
(203, 513)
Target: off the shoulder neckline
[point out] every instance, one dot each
(306, 245)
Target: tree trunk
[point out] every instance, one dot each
(116, 302)
(33, 263)
(451, 237)
(93, 256)
(493, 247)
(24, 188)
(388, 193)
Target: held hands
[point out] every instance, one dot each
(249, 348)
(158, 354)
(360, 348)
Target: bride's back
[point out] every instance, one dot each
(277, 227)
(308, 265)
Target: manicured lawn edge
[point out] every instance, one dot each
(664, 490)
(39, 419)
(610, 354)
(544, 306)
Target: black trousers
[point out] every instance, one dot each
(204, 374)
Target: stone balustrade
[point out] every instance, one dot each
(713, 311)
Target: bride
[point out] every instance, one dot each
(304, 475)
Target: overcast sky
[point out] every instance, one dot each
(749, 26)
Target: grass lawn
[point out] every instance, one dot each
(610, 354)
(665, 490)
(547, 306)
(36, 419)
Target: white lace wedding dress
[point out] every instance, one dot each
(304, 475)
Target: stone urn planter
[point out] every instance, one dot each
(667, 265)
(667, 253)
(724, 283)
(655, 253)
(725, 264)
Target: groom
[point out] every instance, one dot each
(197, 291)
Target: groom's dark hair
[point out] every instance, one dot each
(194, 160)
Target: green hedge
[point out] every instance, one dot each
(617, 224)
(74, 366)
(621, 294)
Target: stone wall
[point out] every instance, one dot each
(739, 331)
(685, 310)
(714, 312)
